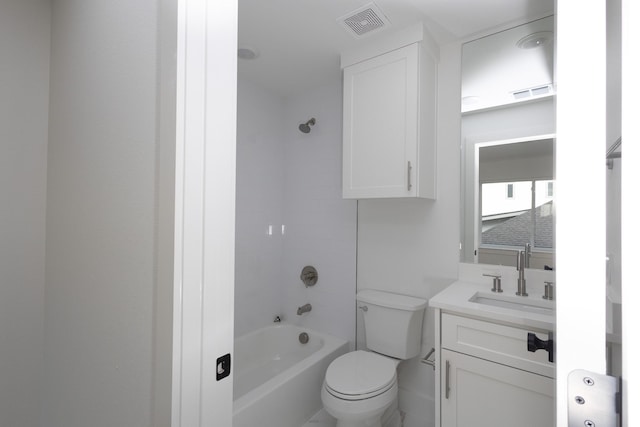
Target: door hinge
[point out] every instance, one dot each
(593, 399)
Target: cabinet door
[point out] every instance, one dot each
(479, 393)
(380, 125)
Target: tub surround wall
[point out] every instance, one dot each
(259, 205)
(320, 225)
(24, 101)
(287, 178)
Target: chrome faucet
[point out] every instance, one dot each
(520, 265)
(548, 291)
(497, 282)
(304, 309)
(527, 251)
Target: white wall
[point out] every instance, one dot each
(165, 212)
(411, 246)
(285, 177)
(24, 101)
(101, 214)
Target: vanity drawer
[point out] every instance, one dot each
(495, 342)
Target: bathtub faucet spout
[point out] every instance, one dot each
(304, 309)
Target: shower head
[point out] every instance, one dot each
(306, 127)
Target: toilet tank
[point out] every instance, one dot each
(392, 322)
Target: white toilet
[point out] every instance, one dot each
(361, 387)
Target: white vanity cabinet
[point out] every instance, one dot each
(389, 135)
(488, 378)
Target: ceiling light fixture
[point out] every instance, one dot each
(535, 40)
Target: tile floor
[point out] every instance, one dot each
(321, 419)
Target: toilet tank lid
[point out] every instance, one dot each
(391, 300)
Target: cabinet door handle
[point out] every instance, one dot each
(446, 379)
(534, 344)
(408, 176)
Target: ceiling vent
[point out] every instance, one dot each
(533, 92)
(364, 21)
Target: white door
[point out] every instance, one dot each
(205, 212)
(581, 222)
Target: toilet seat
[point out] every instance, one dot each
(360, 375)
(351, 397)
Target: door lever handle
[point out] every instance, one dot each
(534, 344)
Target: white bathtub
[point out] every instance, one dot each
(277, 380)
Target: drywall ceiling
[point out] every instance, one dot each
(299, 41)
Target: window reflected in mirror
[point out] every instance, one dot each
(514, 214)
(514, 183)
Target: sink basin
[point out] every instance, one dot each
(528, 304)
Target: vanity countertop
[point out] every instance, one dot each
(459, 298)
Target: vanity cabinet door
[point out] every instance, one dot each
(382, 125)
(479, 393)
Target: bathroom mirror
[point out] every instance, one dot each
(507, 131)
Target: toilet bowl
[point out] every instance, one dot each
(359, 388)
